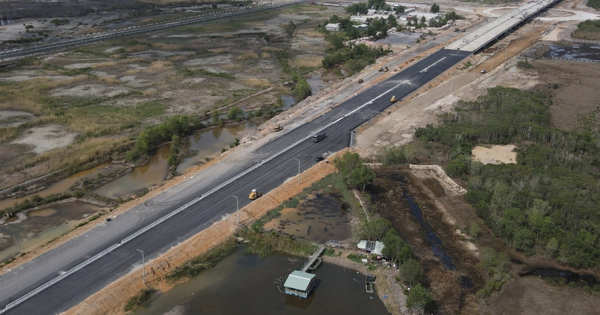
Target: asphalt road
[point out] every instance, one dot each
(34, 49)
(81, 284)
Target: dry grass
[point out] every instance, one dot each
(177, 58)
(232, 67)
(309, 33)
(247, 55)
(8, 134)
(133, 71)
(256, 82)
(108, 80)
(218, 51)
(21, 103)
(136, 48)
(106, 64)
(271, 49)
(308, 62)
(265, 55)
(164, 46)
(76, 79)
(132, 61)
(159, 66)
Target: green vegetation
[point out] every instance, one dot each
(547, 203)
(419, 299)
(441, 21)
(496, 266)
(142, 300)
(264, 244)
(435, 8)
(353, 170)
(22, 40)
(411, 271)
(151, 137)
(593, 4)
(524, 64)
(301, 88)
(235, 113)
(392, 155)
(204, 262)
(590, 25)
(356, 258)
(58, 22)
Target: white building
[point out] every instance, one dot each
(333, 27)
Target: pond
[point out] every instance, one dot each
(245, 284)
(44, 225)
(319, 219)
(205, 143)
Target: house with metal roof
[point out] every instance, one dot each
(299, 283)
(371, 247)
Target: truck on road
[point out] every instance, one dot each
(318, 137)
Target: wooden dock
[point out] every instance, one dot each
(313, 258)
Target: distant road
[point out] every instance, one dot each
(11, 55)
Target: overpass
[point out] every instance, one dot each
(481, 37)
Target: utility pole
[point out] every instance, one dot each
(298, 170)
(237, 210)
(143, 264)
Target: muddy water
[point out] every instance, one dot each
(316, 83)
(205, 143)
(44, 225)
(288, 102)
(575, 51)
(244, 284)
(58, 187)
(434, 241)
(152, 173)
(208, 143)
(319, 220)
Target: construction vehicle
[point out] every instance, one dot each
(386, 69)
(393, 100)
(482, 71)
(277, 128)
(360, 81)
(254, 194)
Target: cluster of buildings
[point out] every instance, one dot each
(373, 14)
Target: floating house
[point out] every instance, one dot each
(299, 283)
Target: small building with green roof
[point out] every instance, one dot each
(299, 283)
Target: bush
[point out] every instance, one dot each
(142, 299)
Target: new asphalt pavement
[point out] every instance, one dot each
(211, 208)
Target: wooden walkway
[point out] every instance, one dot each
(313, 258)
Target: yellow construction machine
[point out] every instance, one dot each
(277, 128)
(254, 194)
(393, 100)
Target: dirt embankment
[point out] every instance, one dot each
(111, 299)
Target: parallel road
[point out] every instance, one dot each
(10, 55)
(202, 213)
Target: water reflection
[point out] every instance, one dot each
(244, 284)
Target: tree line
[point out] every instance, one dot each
(547, 204)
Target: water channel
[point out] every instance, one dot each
(245, 284)
(434, 241)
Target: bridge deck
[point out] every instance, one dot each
(313, 258)
(487, 33)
